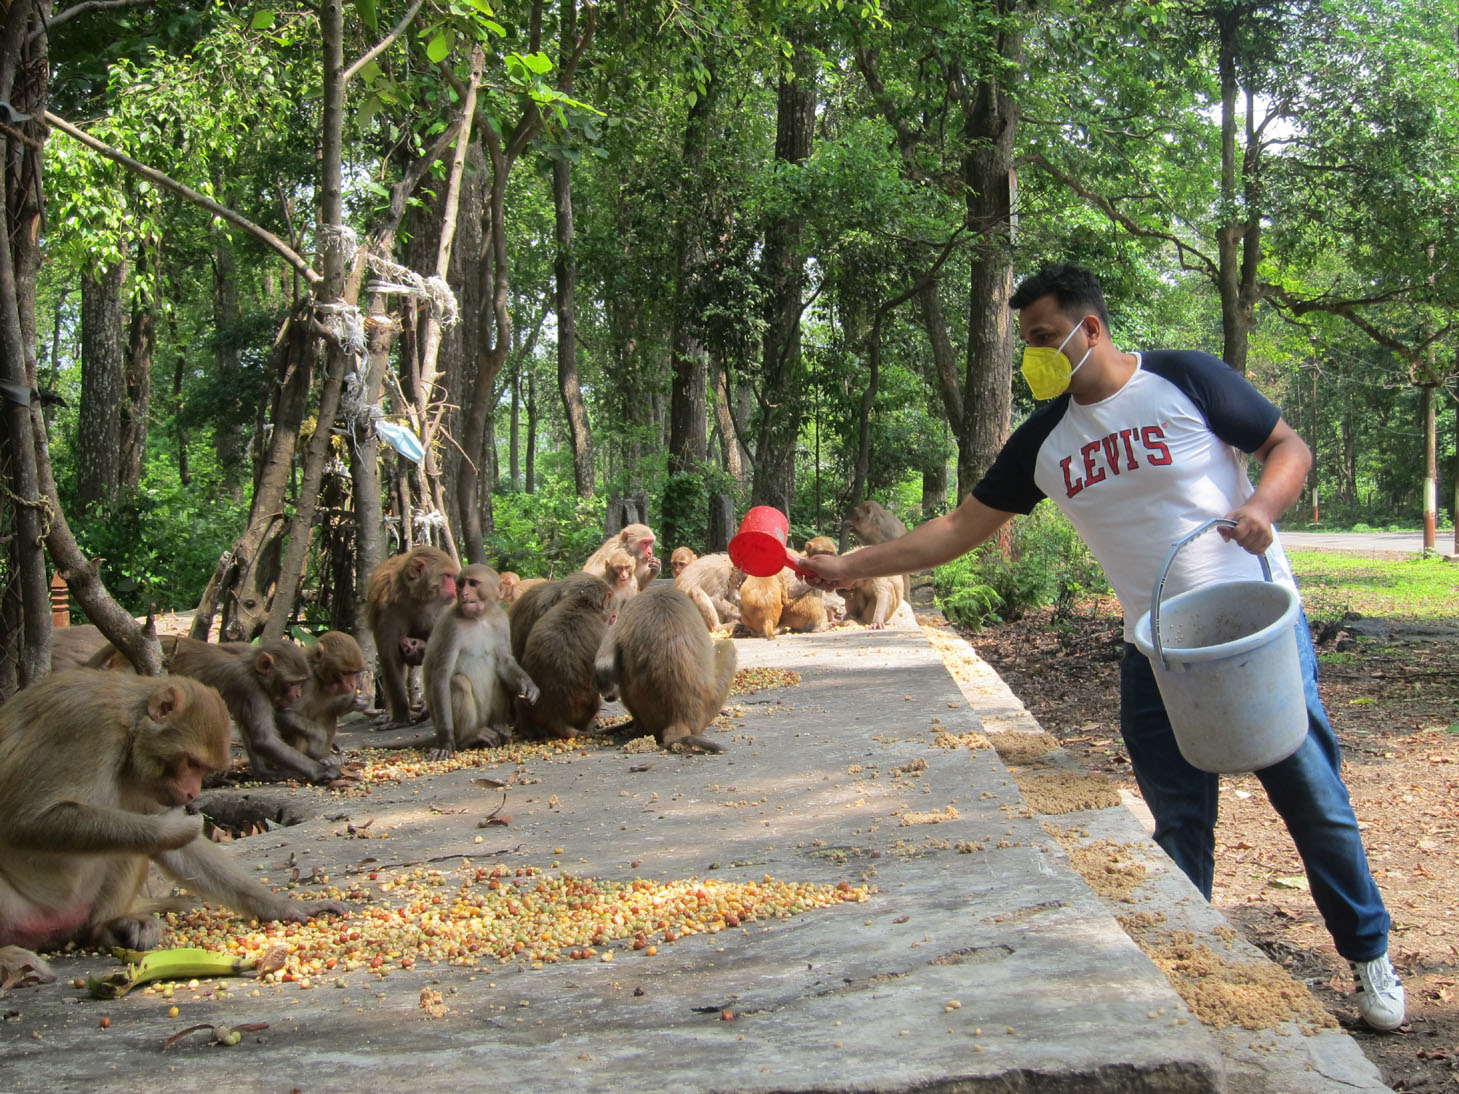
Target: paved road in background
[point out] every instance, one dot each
(1402, 542)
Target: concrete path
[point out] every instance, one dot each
(979, 960)
(1407, 543)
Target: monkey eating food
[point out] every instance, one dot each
(257, 683)
(94, 767)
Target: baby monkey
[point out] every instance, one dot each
(471, 677)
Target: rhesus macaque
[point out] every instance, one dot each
(537, 596)
(332, 691)
(638, 540)
(405, 595)
(559, 653)
(470, 674)
(94, 769)
(713, 585)
(412, 650)
(618, 572)
(681, 557)
(256, 682)
(799, 587)
(872, 600)
(73, 647)
(766, 604)
(522, 586)
(820, 545)
(506, 590)
(872, 523)
(672, 676)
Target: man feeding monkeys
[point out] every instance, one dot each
(1138, 449)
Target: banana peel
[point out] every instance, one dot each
(183, 963)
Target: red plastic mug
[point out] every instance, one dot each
(760, 546)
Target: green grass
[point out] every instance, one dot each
(1416, 588)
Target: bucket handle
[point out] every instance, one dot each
(1266, 573)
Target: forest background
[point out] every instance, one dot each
(663, 260)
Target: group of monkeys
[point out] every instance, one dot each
(498, 655)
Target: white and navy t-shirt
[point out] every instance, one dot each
(1139, 470)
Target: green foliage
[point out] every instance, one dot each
(1048, 564)
(684, 511)
(544, 534)
(159, 545)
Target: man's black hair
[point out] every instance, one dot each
(1075, 290)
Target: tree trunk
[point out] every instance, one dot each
(529, 483)
(514, 460)
(18, 443)
(990, 122)
(103, 382)
(784, 273)
(688, 443)
(1238, 239)
(137, 402)
(934, 489)
(1429, 425)
(564, 266)
(228, 441)
(732, 449)
(333, 321)
(244, 578)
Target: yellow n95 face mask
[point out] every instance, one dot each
(1048, 371)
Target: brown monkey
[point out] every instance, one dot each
(681, 557)
(638, 540)
(820, 545)
(470, 674)
(332, 690)
(713, 585)
(256, 682)
(559, 653)
(522, 586)
(672, 676)
(73, 647)
(412, 649)
(506, 590)
(872, 600)
(766, 604)
(834, 604)
(405, 595)
(93, 769)
(872, 523)
(618, 572)
(538, 595)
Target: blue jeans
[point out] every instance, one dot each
(1306, 789)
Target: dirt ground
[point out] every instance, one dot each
(1392, 701)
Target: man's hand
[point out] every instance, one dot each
(825, 571)
(1253, 531)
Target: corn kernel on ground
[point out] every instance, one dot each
(480, 915)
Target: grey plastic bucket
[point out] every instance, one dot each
(1225, 661)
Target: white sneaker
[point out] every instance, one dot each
(1381, 999)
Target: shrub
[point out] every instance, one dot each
(1047, 563)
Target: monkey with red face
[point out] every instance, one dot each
(471, 676)
(94, 769)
